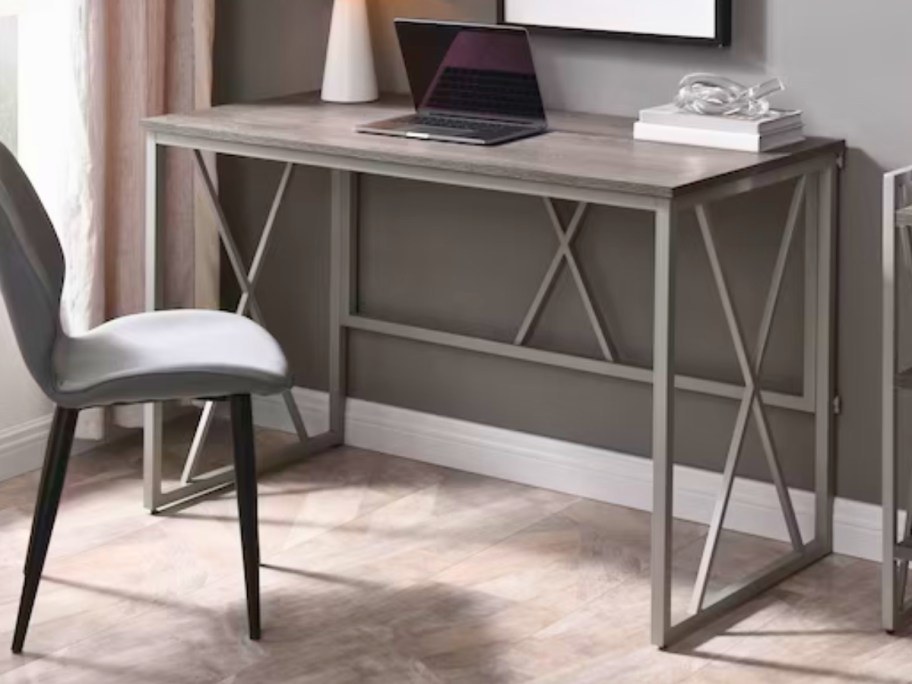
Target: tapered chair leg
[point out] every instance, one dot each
(246, 479)
(53, 475)
(39, 506)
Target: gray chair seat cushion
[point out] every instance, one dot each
(180, 354)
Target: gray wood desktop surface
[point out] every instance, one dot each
(591, 160)
(582, 150)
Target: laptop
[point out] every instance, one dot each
(471, 83)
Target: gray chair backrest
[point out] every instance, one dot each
(32, 270)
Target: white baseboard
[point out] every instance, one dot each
(22, 447)
(589, 472)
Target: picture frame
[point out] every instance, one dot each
(541, 15)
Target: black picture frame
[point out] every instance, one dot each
(722, 38)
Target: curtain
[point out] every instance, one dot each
(90, 70)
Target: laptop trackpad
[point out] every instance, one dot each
(437, 130)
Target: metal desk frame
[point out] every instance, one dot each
(897, 534)
(814, 199)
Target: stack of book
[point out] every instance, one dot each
(669, 124)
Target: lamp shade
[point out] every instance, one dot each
(349, 75)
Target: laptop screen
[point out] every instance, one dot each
(470, 70)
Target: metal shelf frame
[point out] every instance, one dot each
(897, 523)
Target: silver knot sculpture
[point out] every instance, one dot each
(720, 96)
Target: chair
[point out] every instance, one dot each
(157, 356)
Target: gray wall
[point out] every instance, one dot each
(470, 261)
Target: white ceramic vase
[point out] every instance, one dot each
(349, 75)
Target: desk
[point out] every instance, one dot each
(588, 160)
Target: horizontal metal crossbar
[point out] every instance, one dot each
(748, 588)
(790, 402)
(222, 478)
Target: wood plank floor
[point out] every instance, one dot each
(379, 569)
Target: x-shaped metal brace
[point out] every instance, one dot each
(752, 400)
(247, 281)
(564, 254)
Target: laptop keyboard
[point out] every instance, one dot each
(503, 93)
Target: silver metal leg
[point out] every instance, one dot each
(564, 254)
(817, 194)
(811, 214)
(663, 425)
(152, 412)
(343, 292)
(193, 484)
(890, 601)
(825, 475)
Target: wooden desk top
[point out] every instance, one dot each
(582, 150)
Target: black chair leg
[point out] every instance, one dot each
(53, 475)
(39, 505)
(246, 479)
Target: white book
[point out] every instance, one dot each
(670, 115)
(744, 142)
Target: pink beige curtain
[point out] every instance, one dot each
(159, 57)
(90, 70)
